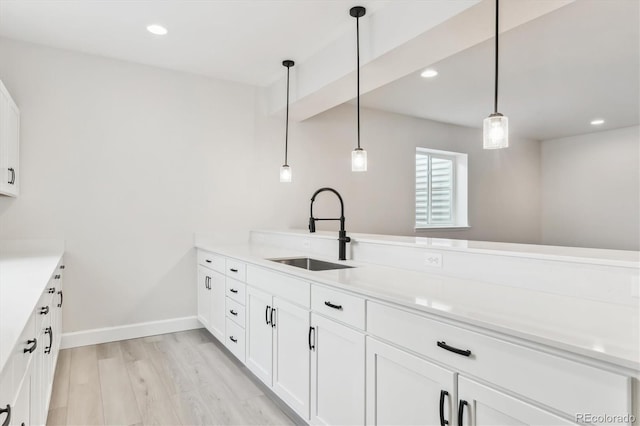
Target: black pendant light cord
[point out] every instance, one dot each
(286, 132)
(495, 99)
(358, 72)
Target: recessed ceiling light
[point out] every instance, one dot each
(429, 73)
(597, 122)
(157, 29)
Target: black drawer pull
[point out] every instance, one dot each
(443, 422)
(62, 266)
(272, 319)
(57, 277)
(61, 299)
(7, 410)
(266, 314)
(233, 290)
(233, 270)
(34, 345)
(462, 352)
(208, 260)
(44, 310)
(12, 181)
(49, 331)
(52, 290)
(233, 339)
(461, 411)
(312, 346)
(331, 305)
(232, 312)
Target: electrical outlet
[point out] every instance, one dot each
(433, 259)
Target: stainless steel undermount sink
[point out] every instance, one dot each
(310, 264)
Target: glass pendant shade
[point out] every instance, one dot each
(496, 132)
(359, 160)
(285, 173)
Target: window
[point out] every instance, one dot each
(441, 189)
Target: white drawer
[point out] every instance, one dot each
(21, 359)
(338, 305)
(211, 261)
(236, 270)
(289, 288)
(45, 308)
(565, 385)
(236, 290)
(235, 339)
(235, 311)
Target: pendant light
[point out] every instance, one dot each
(359, 155)
(496, 126)
(285, 170)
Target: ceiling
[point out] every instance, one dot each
(237, 40)
(557, 73)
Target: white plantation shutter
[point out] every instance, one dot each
(434, 189)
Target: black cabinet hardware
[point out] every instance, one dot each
(49, 331)
(312, 346)
(233, 290)
(232, 312)
(461, 411)
(51, 290)
(34, 345)
(443, 422)
(272, 319)
(44, 310)
(22, 424)
(62, 266)
(56, 277)
(208, 260)
(233, 269)
(61, 298)
(12, 181)
(266, 314)
(463, 352)
(331, 305)
(7, 419)
(233, 339)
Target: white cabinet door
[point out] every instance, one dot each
(217, 309)
(291, 369)
(337, 374)
(9, 144)
(20, 412)
(403, 389)
(259, 332)
(204, 296)
(481, 405)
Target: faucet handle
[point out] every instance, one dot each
(312, 225)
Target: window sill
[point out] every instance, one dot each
(452, 227)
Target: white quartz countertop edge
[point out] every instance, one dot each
(239, 252)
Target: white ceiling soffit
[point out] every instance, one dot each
(237, 40)
(557, 73)
(397, 40)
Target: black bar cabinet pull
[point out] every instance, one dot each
(52, 290)
(34, 345)
(232, 312)
(273, 323)
(57, 277)
(233, 269)
(62, 266)
(233, 339)
(208, 260)
(49, 331)
(266, 315)
(233, 290)
(12, 181)
(44, 310)
(461, 411)
(443, 422)
(7, 419)
(463, 352)
(61, 298)
(312, 346)
(331, 305)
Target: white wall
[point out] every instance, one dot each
(591, 190)
(503, 184)
(125, 162)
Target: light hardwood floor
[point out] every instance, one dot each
(185, 378)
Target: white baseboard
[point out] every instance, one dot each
(131, 331)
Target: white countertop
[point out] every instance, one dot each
(24, 274)
(601, 331)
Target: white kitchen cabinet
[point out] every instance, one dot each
(211, 301)
(481, 405)
(403, 389)
(277, 347)
(9, 144)
(21, 411)
(337, 373)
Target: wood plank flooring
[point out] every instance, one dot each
(185, 378)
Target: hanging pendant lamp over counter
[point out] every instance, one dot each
(496, 126)
(285, 170)
(359, 155)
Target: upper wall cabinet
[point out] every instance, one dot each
(9, 144)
